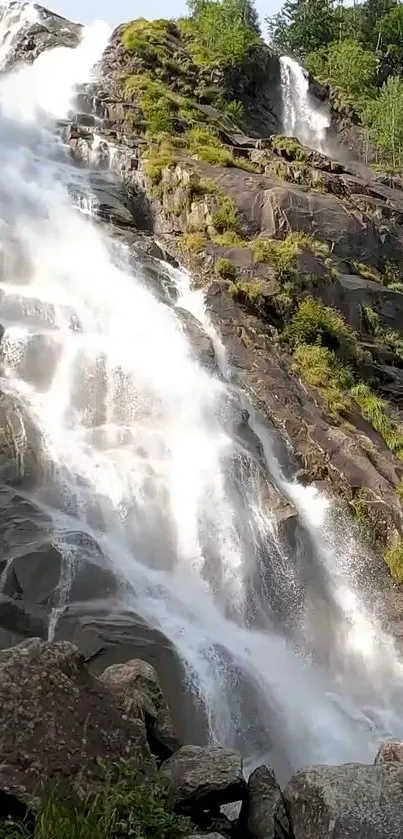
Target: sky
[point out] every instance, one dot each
(117, 11)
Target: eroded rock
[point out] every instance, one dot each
(390, 752)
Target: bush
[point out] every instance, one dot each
(249, 290)
(236, 110)
(225, 269)
(290, 148)
(194, 242)
(229, 239)
(394, 559)
(315, 323)
(320, 368)
(282, 253)
(158, 159)
(121, 807)
(227, 217)
(375, 410)
(206, 144)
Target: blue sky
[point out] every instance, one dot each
(117, 11)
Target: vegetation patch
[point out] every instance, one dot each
(158, 159)
(290, 148)
(317, 324)
(194, 242)
(120, 807)
(251, 291)
(226, 217)
(320, 368)
(394, 559)
(376, 411)
(225, 269)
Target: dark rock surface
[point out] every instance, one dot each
(204, 778)
(263, 815)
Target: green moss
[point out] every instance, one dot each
(204, 142)
(225, 269)
(362, 515)
(119, 808)
(226, 216)
(320, 368)
(394, 559)
(376, 411)
(148, 38)
(290, 148)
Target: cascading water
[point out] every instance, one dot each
(140, 457)
(302, 117)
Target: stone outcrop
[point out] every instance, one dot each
(204, 778)
(57, 721)
(137, 687)
(263, 815)
(361, 802)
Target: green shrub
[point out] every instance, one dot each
(375, 410)
(204, 142)
(223, 31)
(225, 269)
(394, 559)
(120, 807)
(282, 253)
(290, 148)
(315, 323)
(251, 290)
(194, 242)
(226, 216)
(367, 271)
(364, 521)
(320, 368)
(158, 159)
(235, 109)
(229, 239)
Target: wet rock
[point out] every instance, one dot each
(200, 342)
(390, 752)
(263, 815)
(361, 802)
(21, 446)
(137, 686)
(64, 720)
(204, 778)
(47, 31)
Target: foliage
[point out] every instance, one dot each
(221, 30)
(120, 807)
(194, 242)
(229, 239)
(226, 217)
(148, 39)
(315, 323)
(320, 368)
(159, 157)
(203, 141)
(303, 26)
(236, 110)
(282, 253)
(346, 64)
(249, 290)
(376, 411)
(394, 559)
(225, 269)
(290, 148)
(384, 118)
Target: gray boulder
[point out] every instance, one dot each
(354, 801)
(137, 687)
(204, 778)
(263, 815)
(57, 721)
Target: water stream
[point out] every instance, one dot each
(303, 117)
(140, 457)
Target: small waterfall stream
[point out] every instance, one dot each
(303, 118)
(141, 457)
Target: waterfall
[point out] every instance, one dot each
(303, 117)
(141, 458)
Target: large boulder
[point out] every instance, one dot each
(263, 815)
(57, 721)
(204, 778)
(137, 686)
(354, 801)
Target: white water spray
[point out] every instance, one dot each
(141, 458)
(303, 118)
